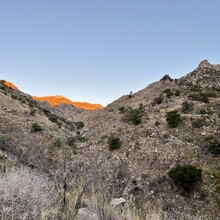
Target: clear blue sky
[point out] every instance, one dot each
(98, 50)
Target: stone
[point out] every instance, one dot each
(86, 214)
(115, 202)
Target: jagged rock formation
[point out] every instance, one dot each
(149, 148)
(206, 76)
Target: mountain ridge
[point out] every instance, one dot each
(58, 99)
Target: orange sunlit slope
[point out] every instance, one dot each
(11, 85)
(57, 100)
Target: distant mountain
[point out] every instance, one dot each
(58, 100)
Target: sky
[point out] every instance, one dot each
(99, 50)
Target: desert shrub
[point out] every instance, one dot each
(210, 92)
(79, 125)
(3, 143)
(199, 122)
(205, 111)
(177, 93)
(114, 143)
(209, 137)
(33, 112)
(130, 94)
(71, 141)
(173, 118)
(187, 107)
(196, 89)
(26, 195)
(32, 103)
(46, 112)
(57, 142)
(203, 96)
(214, 146)
(133, 115)
(36, 128)
(14, 96)
(185, 176)
(157, 123)
(55, 119)
(158, 100)
(121, 109)
(166, 77)
(168, 92)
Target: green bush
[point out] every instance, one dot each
(121, 110)
(53, 118)
(199, 122)
(209, 137)
(168, 92)
(32, 103)
(203, 96)
(71, 141)
(14, 96)
(79, 125)
(36, 128)
(166, 77)
(158, 100)
(205, 112)
(173, 118)
(214, 146)
(185, 176)
(33, 112)
(177, 93)
(114, 143)
(134, 115)
(187, 107)
(130, 94)
(157, 123)
(3, 143)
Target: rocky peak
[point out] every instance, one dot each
(206, 75)
(206, 65)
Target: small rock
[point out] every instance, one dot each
(86, 214)
(118, 201)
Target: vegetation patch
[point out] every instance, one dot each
(214, 146)
(134, 115)
(158, 100)
(209, 137)
(168, 92)
(199, 122)
(71, 141)
(79, 125)
(187, 107)
(114, 143)
(36, 128)
(173, 118)
(185, 176)
(166, 77)
(204, 95)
